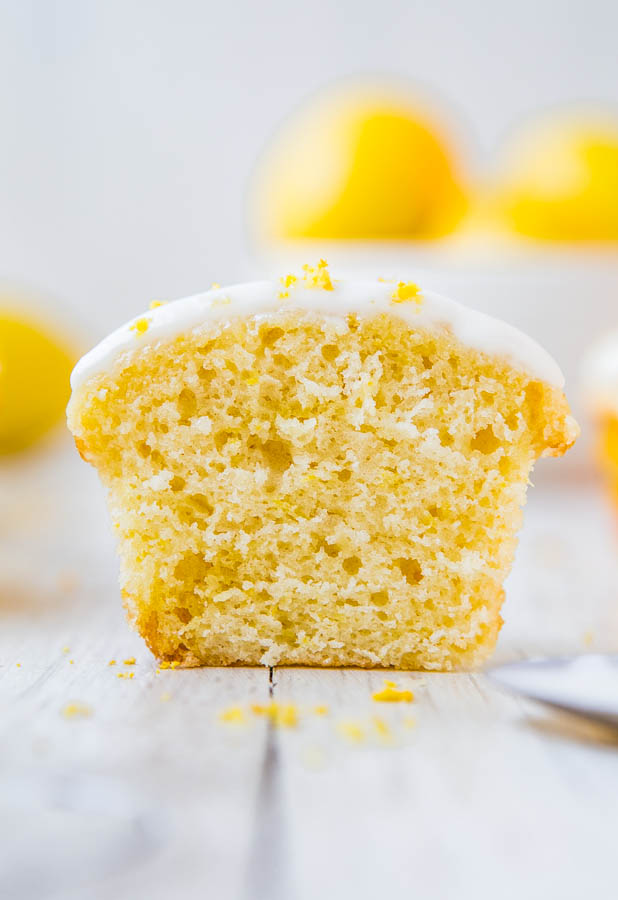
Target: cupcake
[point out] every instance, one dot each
(317, 472)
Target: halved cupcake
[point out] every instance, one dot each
(317, 472)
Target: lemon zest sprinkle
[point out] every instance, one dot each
(140, 326)
(155, 304)
(407, 291)
(130, 661)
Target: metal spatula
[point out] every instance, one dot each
(586, 685)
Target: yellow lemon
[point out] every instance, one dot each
(359, 164)
(34, 380)
(561, 181)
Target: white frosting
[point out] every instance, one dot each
(365, 298)
(599, 375)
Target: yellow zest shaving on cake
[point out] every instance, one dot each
(320, 710)
(71, 662)
(234, 715)
(155, 304)
(352, 731)
(130, 661)
(282, 715)
(128, 675)
(318, 276)
(406, 292)
(390, 693)
(18, 665)
(76, 710)
(140, 326)
(112, 662)
(66, 649)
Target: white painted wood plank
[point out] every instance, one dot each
(488, 796)
(150, 795)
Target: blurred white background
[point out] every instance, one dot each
(130, 128)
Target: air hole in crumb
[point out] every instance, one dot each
(379, 598)
(505, 466)
(221, 439)
(177, 483)
(282, 361)
(187, 403)
(192, 568)
(410, 569)
(277, 456)
(271, 335)
(206, 375)
(485, 441)
(446, 438)
(330, 352)
(351, 564)
(201, 502)
(331, 549)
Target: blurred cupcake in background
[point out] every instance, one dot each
(559, 180)
(599, 388)
(35, 364)
(359, 163)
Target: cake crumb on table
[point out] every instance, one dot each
(76, 710)
(390, 693)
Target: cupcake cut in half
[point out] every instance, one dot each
(316, 472)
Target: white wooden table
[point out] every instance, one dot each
(153, 796)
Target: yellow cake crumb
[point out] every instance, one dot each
(128, 675)
(18, 665)
(390, 693)
(282, 715)
(66, 649)
(164, 665)
(130, 661)
(140, 326)
(112, 662)
(233, 714)
(71, 662)
(76, 710)
(352, 731)
(406, 292)
(155, 304)
(382, 729)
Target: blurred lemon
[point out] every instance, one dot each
(561, 181)
(34, 380)
(359, 164)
